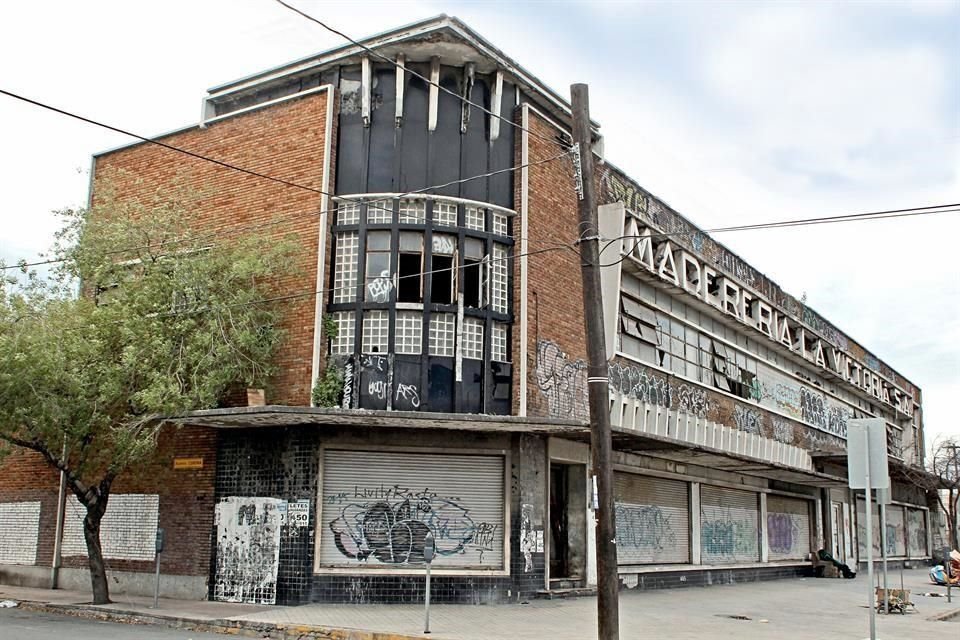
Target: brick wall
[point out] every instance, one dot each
(554, 289)
(285, 141)
(26, 477)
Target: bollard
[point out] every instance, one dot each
(429, 547)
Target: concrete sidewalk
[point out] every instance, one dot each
(821, 609)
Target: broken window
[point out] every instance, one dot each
(443, 274)
(378, 282)
(474, 273)
(410, 267)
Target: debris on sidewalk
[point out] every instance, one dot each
(8, 604)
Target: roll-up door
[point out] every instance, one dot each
(729, 531)
(896, 531)
(917, 533)
(788, 528)
(377, 507)
(652, 519)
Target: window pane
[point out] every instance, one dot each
(444, 244)
(412, 211)
(473, 248)
(472, 338)
(499, 223)
(345, 268)
(498, 343)
(409, 335)
(348, 213)
(344, 342)
(474, 219)
(378, 241)
(445, 214)
(380, 211)
(499, 279)
(442, 333)
(376, 329)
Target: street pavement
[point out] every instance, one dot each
(820, 609)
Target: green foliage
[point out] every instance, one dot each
(329, 387)
(142, 318)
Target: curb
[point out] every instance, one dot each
(945, 616)
(241, 628)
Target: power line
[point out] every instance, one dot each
(415, 74)
(854, 217)
(244, 170)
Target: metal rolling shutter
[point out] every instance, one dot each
(788, 528)
(917, 533)
(378, 506)
(652, 520)
(729, 531)
(896, 531)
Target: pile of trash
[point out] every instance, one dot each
(949, 575)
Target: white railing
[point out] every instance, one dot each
(630, 413)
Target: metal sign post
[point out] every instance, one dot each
(867, 469)
(159, 549)
(883, 497)
(429, 547)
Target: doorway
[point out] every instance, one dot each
(839, 537)
(568, 507)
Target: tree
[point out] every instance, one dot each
(942, 478)
(140, 319)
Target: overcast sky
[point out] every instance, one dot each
(732, 113)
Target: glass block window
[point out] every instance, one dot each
(409, 335)
(412, 211)
(498, 222)
(345, 267)
(474, 219)
(498, 278)
(343, 343)
(472, 345)
(379, 211)
(442, 334)
(348, 213)
(445, 213)
(376, 331)
(498, 343)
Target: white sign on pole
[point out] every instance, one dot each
(859, 432)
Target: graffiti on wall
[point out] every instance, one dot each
(248, 549)
(786, 534)
(635, 381)
(827, 416)
(916, 532)
(728, 534)
(643, 527)
(562, 381)
(748, 419)
(528, 539)
(390, 525)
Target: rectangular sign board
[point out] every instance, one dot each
(867, 435)
(188, 463)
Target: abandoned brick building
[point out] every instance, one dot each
(461, 346)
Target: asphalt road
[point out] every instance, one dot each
(18, 624)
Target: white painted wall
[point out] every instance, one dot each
(127, 532)
(19, 530)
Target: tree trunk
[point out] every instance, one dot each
(952, 519)
(91, 533)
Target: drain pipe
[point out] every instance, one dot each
(58, 535)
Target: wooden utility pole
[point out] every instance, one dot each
(608, 582)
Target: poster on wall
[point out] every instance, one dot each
(248, 549)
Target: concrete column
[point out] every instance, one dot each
(764, 541)
(695, 523)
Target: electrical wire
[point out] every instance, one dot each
(415, 74)
(854, 217)
(227, 165)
